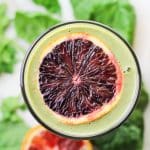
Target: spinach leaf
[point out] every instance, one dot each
(4, 20)
(83, 9)
(118, 14)
(30, 25)
(12, 135)
(51, 5)
(9, 108)
(7, 55)
(12, 127)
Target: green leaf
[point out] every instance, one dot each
(51, 5)
(12, 135)
(83, 8)
(4, 20)
(9, 108)
(12, 127)
(8, 58)
(30, 25)
(118, 14)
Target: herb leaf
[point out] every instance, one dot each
(7, 55)
(12, 127)
(118, 14)
(51, 5)
(9, 108)
(4, 20)
(30, 25)
(83, 9)
(11, 135)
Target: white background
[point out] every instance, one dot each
(9, 83)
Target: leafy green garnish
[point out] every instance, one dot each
(4, 20)
(12, 135)
(51, 5)
(118, 14)
(12, 127)
(8, 47)
(83, 8)
(9, 108)
(30, 25)
(7, 55)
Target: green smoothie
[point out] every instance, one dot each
(122, 53)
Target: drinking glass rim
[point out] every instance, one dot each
(22, 85)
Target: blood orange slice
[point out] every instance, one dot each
(80, 80)
(39, 138)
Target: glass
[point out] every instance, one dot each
(123, 53)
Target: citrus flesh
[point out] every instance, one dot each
(39, 138)
(80, 80)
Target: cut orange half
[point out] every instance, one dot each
(39, 138)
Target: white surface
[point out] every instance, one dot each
(9, 84)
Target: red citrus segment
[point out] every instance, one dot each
(78, 78)
(39, 138)
(46, 140)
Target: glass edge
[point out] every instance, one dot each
(25, 62)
